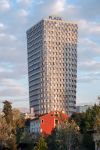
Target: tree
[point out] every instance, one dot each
(70, 136)
(27, 140)
(65, 137)
(79, 119)
(7, 110)
(97, 123)
(88, 121)
(53, 140)
(87, 141)
(10, 122)
(41, 144)
(18, 124)
(3, 131)
(11, 130)
(90, 116)
(11, 143)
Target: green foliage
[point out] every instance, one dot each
(10, 138)
(79, 118)
(27, 140)
(10, 121)
(97, 123)
(70, 136)
(90, 116)
(26, 137)
(66, 137)
(7, 109)
(53, 141)
(88, 142)
(88, 121)
(41, 144)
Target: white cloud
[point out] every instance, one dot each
(89, 77)
(89, 9)
(12, 37)
(71, 9)
(4, 70)
(59, 5)
(22, 13)
(6, 37)
(92, 65)
(40, 2)
(2, 27)
(11, 87)
(24, 2)
(52, 7)
(9, 82)
(12, 91)
(95, 29)
(30, 2)
(4, 5)
(89, 27)
(89, 45)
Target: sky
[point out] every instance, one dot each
(16, 16)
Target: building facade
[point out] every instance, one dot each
(46, 123)
(82, 108)
(52, 66)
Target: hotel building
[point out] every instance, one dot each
(52, 66)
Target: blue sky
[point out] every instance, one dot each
(16, 16)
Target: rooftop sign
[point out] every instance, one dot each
(55, 18)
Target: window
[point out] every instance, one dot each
(42, 121)
(56, 114)
(56, 122)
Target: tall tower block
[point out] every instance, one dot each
(52, 65)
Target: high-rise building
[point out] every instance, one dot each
(52, 65)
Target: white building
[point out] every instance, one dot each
(82, 108)
(35, 126)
